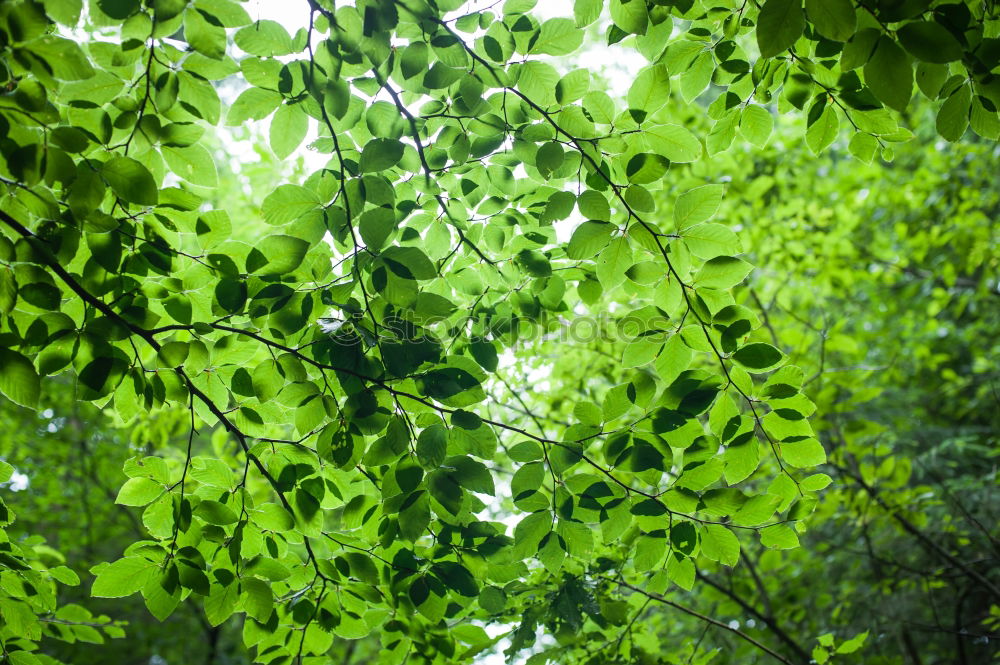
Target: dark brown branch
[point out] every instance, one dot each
(715, 622)
(768, 621)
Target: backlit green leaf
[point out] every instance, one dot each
(697, 205)
(18, 380)
(130, 180)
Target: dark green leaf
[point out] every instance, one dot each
(929, 41)
(779, 25)
(889, 74)
(834, 19)
(758, 357)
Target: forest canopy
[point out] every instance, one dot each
(434, 331)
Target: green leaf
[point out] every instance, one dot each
(779, 25)
(214, 512)
(697, 77)
(889, 74)
(380, 154)
(587, 11)
(779, 537)
(673, 142)
(443, 487)
(859, 49)
(710, 240)
(258, 600)
(953, 116)
(383, 119)
(853, 644)
(193, 163)
(599, 106)
(19, 381)
(277, 255)
(264, 38)
(211, 471)
(65, 575)
(204, 36)
(720, 544)
(160, 603)
(929, 41)
(588, 413)
(415, 516)
(538, 80)
(578, 538)
(816, 482)
(471, 474)
(803, 454)
(863, 147)
(588, 239)
(221, 603)
(492, 599)
(983, 118)
(64, 58)
(471, 435)
(680, 570)
(723, 132)
(931, 78)
(8, 290)
(432, 446)
(674, 358)
(375, 227)
(697, 205)
(138, 492)
(722, 272)
(756, 124)
(650, 90)
(66, 12)
(529, 532)
(122, 577)
(549, 157)
(594, 206)
(409, 263)
(646, 167)
(573, 86)
(287, 203)
(227, 13)
(834, 19)
(823, 130)
(253, 104)
(288, 129)
(413, 59)
(526, 451)
(457, 577)
(742, 459)
(630, 15)
(613, 261)
(273, 517)
(558, 36)
(130, 180)
(758, 357)
(641, 350)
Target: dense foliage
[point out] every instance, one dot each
(499, 377)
